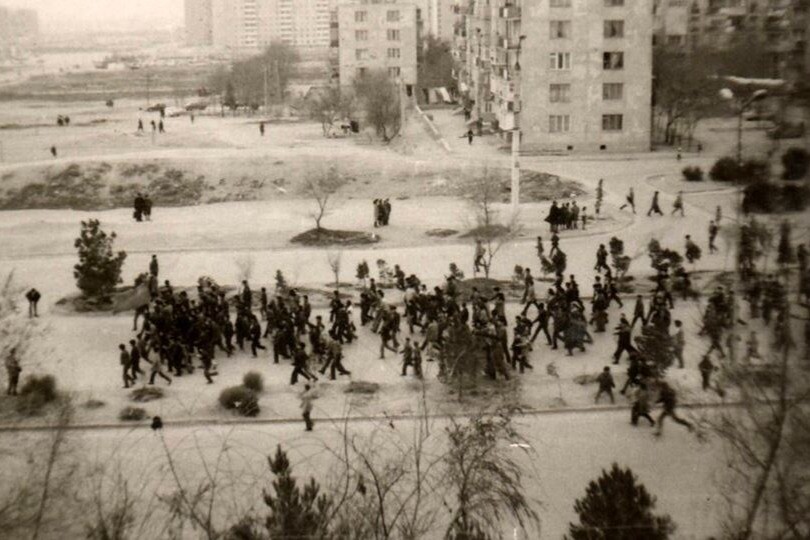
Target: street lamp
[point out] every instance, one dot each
(516, 134)
(742, 106)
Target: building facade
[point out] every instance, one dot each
(377, 35)
(570, 75)
(199, 23)
(18, 26)
(247, 26)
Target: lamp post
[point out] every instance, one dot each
(742, 105)
(515, 200)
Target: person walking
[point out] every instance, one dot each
(706, 369)
(140, 125)
(478, 260)
(13, 370)
(261, 129)
(53, 151)
(624, 333)
(669, 401)
(160, 127)
(33, 297)
(712, 235)
(679, 343)
(606, 385)
(677, 205)
(126, 365)
(157, 369)
(307, 397)
(631, 200)
(654, 207)
(641, 405)
(153, 266)
(135, 359)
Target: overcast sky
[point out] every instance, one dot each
(96, 14)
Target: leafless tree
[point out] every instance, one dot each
(379, 97)
(334, 259)
(484, 193)
(332, 105)
(244, 266)
(321, 186)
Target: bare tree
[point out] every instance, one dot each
(379, 97)
(65, 416)
(484, 194)
(332, 105)
(334, 263)
(244, 266)
(321, 186)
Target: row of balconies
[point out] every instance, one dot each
(509, 12)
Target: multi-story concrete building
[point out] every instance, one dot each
(246, 26)
(18, 26)
(570, 75)
(437, 17)
(199, 23)
(377, 35)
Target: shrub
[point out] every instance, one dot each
(132, 414)
(728, 170)
(253, 381)
(767, 197)
(240, 399)
(693, 174)
(725, 169)
(146, 393)
(796, 162)
(99, 270)
(40, 385)
(795, 198)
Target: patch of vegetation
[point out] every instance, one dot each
(253, 380)
(693, 174)
(173, 188)
(362, 387)
(74, 187)
(727, 169)
(37, 391)
(441, 233)
(132, 414)
(770, 197)
(241, 400)
(486, 231)
(93, 404)
(146, 393)
(137, 169)
(329, 237)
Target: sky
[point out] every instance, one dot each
(76, 15)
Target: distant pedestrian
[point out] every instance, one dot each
(160, 127)
(53, 151)
(679, 343)
(261, 129)
(140, 125)
(706, 369)
(654, 207)
(478, 260)
(712, 236)
(192, 117)
(718, 214)
(677, 206)
(13, 370)
(631, 201)
(126, 365)
(307, 397)
(469, 136)
(33, 297)
(147, 207)
(606, 385)
(153, 266)
(154, 126)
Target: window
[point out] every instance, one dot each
(614, 29)
(613, 60)
(612, 91)
(675, 40)
(560, 3)
(559, 61)
(393, 71)
(393, 35)
(360, 72)
(393, 53)
(559, 93)
(360, 54)
(361, 35)
(611, 122)
(560, 29)
(559, 123)
(359, 16)
(614, 3)
(392, 15)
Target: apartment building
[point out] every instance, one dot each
(199, 23)
(247, 26)
(18, 26)
(570, 75)
(781, 26)
(377, 35)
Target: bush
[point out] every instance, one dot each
(99, 269)
(132, 414)
(146, 393)
(240, 399)
(43, 386)
(727, 169)
(693, 174)
(796, 162)
(795, 198)
(253, 381)
(767, 197)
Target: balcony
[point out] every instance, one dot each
(509, 12)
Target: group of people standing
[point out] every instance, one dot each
(382, 212)
(142, 207)
(566, 216)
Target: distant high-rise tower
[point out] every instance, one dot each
(199, 23)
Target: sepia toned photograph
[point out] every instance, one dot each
(405, 269)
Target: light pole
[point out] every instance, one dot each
(742, 106)
(516, 134)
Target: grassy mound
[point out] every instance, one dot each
(146, 393)
(486, 231)
(329, 237)
(132, 414)
(441, 233)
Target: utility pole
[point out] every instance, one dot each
(266, 96)
(515, 170)
(148, 84)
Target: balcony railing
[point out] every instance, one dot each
(509, 12)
